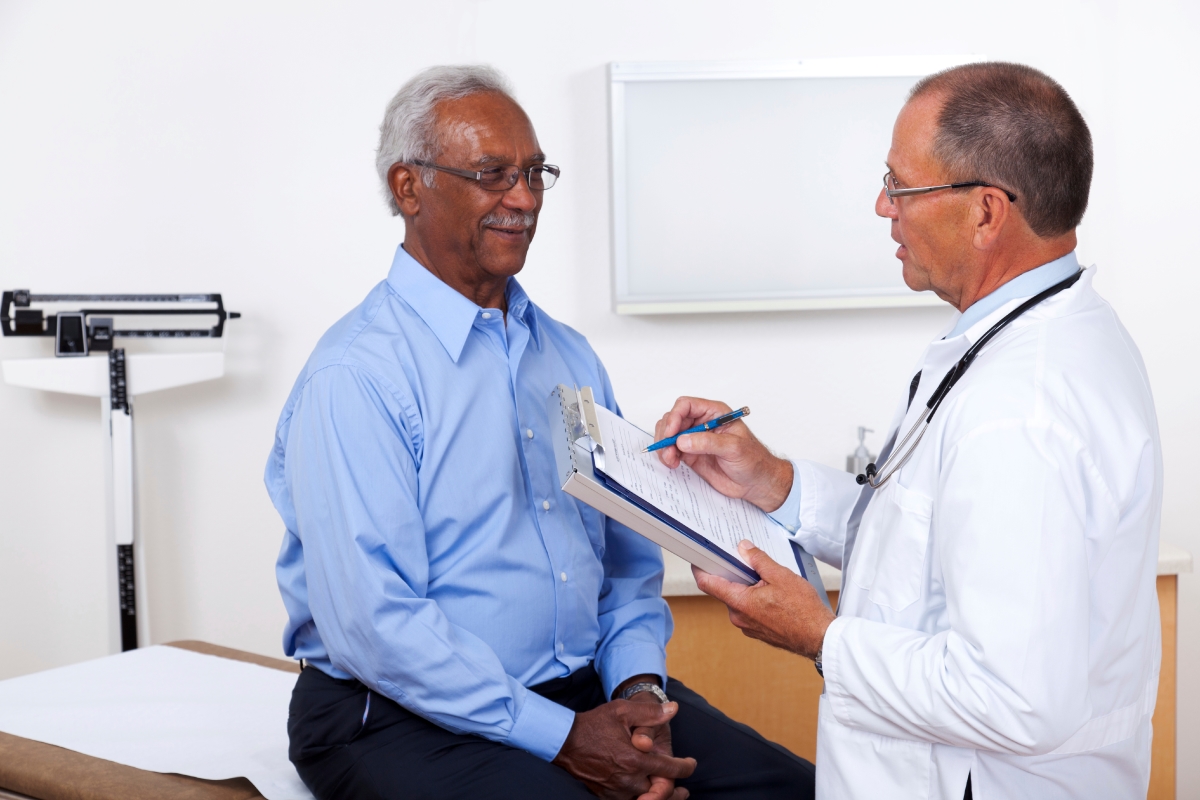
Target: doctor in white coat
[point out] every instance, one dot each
(997, 632)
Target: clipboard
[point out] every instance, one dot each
(572, 411)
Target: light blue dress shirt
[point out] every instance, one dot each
(1027, 284)
(430, 551)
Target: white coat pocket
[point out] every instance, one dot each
(889, 556)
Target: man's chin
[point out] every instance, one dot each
(503, 265)
(504, 255)
(915, 279)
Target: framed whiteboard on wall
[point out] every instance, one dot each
(751, 186)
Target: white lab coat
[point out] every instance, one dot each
(999, 614)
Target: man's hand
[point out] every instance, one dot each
(652, 740)
(730, 457)
(644, 738)
(782, 609)
(656, 740)
(599, 751)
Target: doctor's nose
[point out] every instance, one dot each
(884, 206)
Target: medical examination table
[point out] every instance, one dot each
(33, 769)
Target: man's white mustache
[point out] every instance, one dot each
(513, 220)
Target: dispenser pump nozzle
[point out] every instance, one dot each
(858, 461)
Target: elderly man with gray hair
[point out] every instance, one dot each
(466, 629)
(997, 633)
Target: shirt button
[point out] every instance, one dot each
(529, 433)
(560, 647)
(546, 507)
(487, 315)
(563, 575)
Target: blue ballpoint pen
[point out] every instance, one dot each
(744, 411)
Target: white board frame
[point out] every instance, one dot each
(621, 73)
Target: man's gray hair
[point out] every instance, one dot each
(409, 130)
(1015, 127)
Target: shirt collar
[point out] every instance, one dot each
(1026, 284)
(447, 313)
(522, 308)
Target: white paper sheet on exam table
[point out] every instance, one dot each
(684, 495)
(164, 709)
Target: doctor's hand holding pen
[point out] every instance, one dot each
(730, 457)
(782, 609)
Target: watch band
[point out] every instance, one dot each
(638, 688)
(817, 661)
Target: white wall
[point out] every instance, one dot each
(228, 147)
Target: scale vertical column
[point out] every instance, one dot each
(123, 512)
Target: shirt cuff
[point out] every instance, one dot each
(788, 514)
(619, 664)
(541, 726)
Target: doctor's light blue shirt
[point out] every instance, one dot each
(430, 551)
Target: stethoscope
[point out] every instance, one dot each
(899, 455)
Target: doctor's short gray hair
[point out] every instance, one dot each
(409, 128)
(1016, 127)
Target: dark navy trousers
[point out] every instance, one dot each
(348, 742)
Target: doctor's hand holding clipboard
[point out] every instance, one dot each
(782, 609)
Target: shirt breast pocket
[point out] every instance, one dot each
(889, 556)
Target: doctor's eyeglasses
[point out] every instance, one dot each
(539, 177)
(894, 190)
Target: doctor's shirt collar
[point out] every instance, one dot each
(1027, 284)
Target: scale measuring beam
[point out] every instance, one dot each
(86, 364)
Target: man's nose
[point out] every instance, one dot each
(520, 196)
(884, 206)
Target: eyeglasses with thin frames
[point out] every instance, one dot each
(538, 177)
(889, 186)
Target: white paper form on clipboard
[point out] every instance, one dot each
(600, 464)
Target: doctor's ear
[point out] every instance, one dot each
(990, 214)
(403, 180)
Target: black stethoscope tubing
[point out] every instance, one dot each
(952, 377)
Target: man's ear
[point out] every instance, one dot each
(403, 180)
(993, 212)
